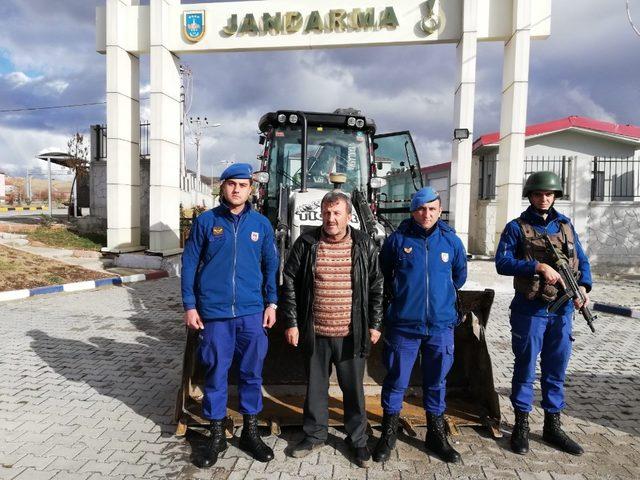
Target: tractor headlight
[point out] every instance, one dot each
(351, 121)
(282, 118)
(359, 123)
(293, 118)
(377, 182)
(261, 177)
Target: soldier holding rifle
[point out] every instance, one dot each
(542, 310)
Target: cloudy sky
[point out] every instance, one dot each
(589, 66)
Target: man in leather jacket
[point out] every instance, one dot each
(331, 303)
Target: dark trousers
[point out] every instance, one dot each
(328, 352)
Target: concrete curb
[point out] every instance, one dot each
(78, 286)
(22, 209)
(616, 310)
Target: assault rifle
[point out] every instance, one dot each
(571, 289)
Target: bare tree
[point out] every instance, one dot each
(77, 161)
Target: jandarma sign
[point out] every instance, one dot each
(336, 20)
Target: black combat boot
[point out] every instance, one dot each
(553, 434)
(251, 442)
(216, 444)
(436, 439)
(388, 439)
(520, 433)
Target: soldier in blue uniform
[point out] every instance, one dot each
(229, 269)
(424, 263)
(535, 332)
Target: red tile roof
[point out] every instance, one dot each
(629, 131)
(436, 168)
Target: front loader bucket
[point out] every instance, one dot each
(471, 397)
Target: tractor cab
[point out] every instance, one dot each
(307, 154)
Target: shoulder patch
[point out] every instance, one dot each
(408, 249)
(218, 230)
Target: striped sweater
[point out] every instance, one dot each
(332, 288)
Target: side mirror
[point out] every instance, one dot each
(261, 177)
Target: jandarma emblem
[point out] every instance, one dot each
(193, 25)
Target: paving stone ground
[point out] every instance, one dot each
(88, 384)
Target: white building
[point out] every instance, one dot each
(599, 164)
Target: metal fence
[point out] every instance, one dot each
(487, 190)
(615, 179)
(99, 141)
(559, 165)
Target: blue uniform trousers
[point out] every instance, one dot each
(549, 337)
(399, 355)
(223, 341)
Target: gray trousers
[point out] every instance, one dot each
(328, 352)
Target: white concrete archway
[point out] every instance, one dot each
(126, 30)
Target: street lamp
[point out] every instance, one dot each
(198, 126)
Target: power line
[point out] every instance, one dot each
(50, 107)
(29, 109)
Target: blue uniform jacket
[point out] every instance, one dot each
(422, 274)
(229, 266)
(507, 262)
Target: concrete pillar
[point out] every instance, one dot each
(165, 135)
(466, 52)
(513, 117)
(123, 134)
(580, 189)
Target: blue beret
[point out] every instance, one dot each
(422, 196)
(237, 170)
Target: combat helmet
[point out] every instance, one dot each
(545, 181)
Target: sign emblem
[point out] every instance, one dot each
(218, 230)
(255, 236)
(193, 25)
(408, 249)
(444, 256)
(432, 21)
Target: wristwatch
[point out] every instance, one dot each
(273, 305)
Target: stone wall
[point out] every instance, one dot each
(614, 241)
(191, 194)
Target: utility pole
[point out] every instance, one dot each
(185, 106)
(198, 126)
(28, 186)
(50, 206)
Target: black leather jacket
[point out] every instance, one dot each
(296, 299)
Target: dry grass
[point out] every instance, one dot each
(19, 270)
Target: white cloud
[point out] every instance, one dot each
(19, 79)
(57, 86)
(20, 147)
(588, 106)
